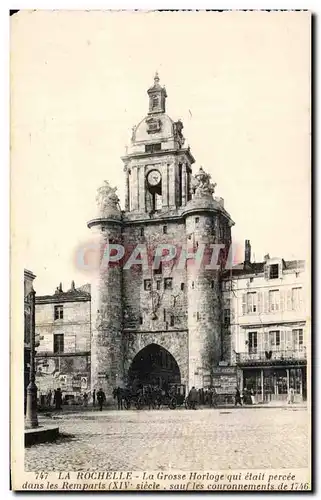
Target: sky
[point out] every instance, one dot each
(239, 81)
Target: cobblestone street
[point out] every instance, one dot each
(179, 439)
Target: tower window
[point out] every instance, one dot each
(140, 320)
(142, 231)
(158, 285)
(197, 219)
(155, 101)
(212, 284)
(168, 283)
(164, 229)
(198, 316)
(172, 320)
(164, 314)
(59, 312)
(152, 148)
(147, 284)
(182, 286)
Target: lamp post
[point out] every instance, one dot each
(31, 411)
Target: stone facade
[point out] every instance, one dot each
(63, 327)
(176, 308)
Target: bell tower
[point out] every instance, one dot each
(158, 167)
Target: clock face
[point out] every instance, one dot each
(154, 178)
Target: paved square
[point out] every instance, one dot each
(209, 439)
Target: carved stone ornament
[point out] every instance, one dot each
(107, 197)
(201, 185)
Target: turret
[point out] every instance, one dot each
(206, 224)
(106, 352)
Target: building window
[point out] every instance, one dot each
(252, 302)
(164, 229)
(296, 298)
(297, 335)
(155, 101)
(226, 286)
(252, 343)
(226, 316)
(158, 285)
(58, 346)
(172, 320)
(182, 286)
(59, 312)
(274, 300)
(212, 284)
(168, 283)
(142, 231)
(198, 316)
(197, 219)
(275, 338)
(140, 320)
(147, 284)
(274, 271)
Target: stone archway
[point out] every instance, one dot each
(154, 365)
(176, 343)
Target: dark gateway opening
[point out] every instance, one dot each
(155, 366)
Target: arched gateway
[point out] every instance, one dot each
(154, 365)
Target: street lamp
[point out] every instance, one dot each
(31, 410)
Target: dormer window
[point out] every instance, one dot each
(274, 271)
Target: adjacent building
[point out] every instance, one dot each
(265, 318)
(63, 327)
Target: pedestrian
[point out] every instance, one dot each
(85, 398)
(119, 395)
(101, 398)
(237, 397)
(94, 397)
(291, 396)
(252, 397)
(214, 397)
(49, 398)
(193, 397)
(58, 399)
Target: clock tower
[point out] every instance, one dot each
(157, 166)
(158, 325)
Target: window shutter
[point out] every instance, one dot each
(289, 300)
(244, 310)
(266, 302)
(266, 341)
(266, 272)
(281, 300)
(259, 302)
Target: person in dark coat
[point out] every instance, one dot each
(119, 395)
(193, 397)
(237, 397)
(101, 398)
(58, 398)
(94, 397)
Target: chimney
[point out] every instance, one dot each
(72, 286)
(247, 254)
(60, 287)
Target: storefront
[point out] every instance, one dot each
(273, 383)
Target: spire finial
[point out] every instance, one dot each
(156, 77)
